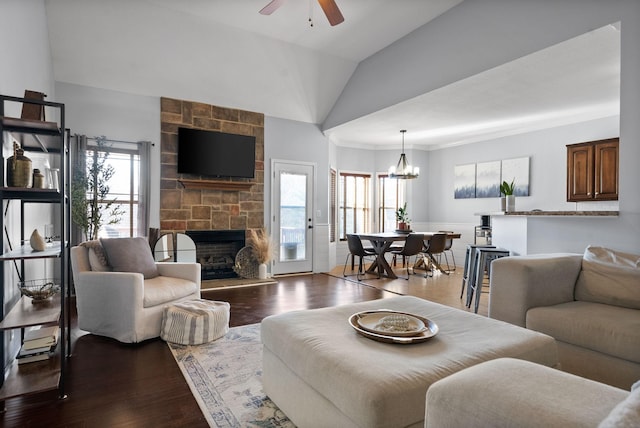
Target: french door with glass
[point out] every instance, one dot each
(292, 219)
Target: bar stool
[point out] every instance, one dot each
(484, 257)
(469, 268)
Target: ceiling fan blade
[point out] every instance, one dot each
(330, 9)
(271, 7)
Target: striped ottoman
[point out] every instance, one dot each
(194, 322)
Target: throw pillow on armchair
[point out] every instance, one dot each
(130, 255)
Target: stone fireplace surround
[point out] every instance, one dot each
(190, 203)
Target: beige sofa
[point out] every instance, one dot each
(121, 292)
(508, 392)
(589, 303)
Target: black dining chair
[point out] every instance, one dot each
(412, 247)
(433, 248)
(356, 249)
(447, 247)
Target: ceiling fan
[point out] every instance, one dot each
(329, 7)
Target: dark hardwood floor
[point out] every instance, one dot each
(110, 384)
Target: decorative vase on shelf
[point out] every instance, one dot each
(503, 203)
(19, 173)
(37, 241)
(511, 203)
(262, 271)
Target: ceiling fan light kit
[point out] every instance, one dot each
(403, 170)
(329, 7)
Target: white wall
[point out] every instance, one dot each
(302, 142)
(25, 53)
(433, 207)
(547, 175)
(117, 116)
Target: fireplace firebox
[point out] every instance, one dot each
(216, 251)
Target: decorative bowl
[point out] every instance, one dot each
(38, 289)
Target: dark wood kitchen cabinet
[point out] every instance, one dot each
(592, 171)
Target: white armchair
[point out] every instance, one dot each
(124, 305)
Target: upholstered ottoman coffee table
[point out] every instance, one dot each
(321, 372)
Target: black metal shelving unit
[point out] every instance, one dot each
(51, 138)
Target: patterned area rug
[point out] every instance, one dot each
(225, 377)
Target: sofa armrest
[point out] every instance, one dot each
(114, 296)
(188, 271)
(118, 286)
(508, 392)
(519, 283)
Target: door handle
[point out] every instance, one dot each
(310, 226)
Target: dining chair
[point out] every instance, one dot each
(412, 247)
(434, 247)
(448, 245)
(356, 249)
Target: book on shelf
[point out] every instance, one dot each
(34, 358)
(41, 337)
(35, 354)
(35, 351)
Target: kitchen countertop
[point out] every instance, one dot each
(554, 213)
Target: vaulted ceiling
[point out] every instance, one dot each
(223, 52)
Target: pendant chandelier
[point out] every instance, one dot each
(403, 170)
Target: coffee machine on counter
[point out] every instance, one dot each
(482, 234)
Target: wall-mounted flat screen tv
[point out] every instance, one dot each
(216, 154)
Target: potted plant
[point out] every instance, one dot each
(403, 218)
(509, 199)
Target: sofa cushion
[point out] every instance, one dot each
(610, 277)
(97, 256)
(130, 255)
(165, 289)
(626, 413)
(611, 330)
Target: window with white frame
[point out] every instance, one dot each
(123, 192)
(391, 196)
(354, 212)
(128, 185)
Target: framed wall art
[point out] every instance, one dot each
(517, 170)
(488, 179)
(465, 181)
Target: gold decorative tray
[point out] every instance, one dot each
(421, 329)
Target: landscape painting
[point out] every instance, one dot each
(465, 181)
(517, 170)
(488, 179)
